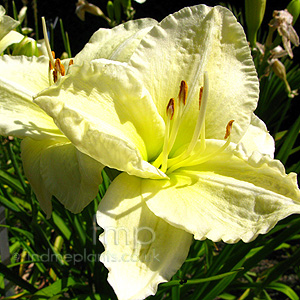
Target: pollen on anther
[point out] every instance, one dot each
(183, 92)
(228, 129)
(171, 108)
(200, 96)
(71, 62)
(59, 67)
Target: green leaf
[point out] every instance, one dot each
(289, 142)
(283, 288)
(12, 182)
(61, 225)
(81, 232)
(88, 297)
(227, 296)
(200, 280)
(65, 38)
(10, 205)
(10, 275)
(55, 288)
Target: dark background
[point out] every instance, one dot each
(80, 32)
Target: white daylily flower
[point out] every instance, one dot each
(7, 34)
(160, 117)
(51, 163)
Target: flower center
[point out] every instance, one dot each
(192, 154)
(56, 68)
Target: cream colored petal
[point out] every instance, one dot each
(141, 250)
(11, 38)
(107, 114)
(185, 45)
(6, 23)
(20, 79)
(29, 72)
(71, 176)
(116, 44)
(31, 158)
(57, 168)
(257, 138)
(229, 198)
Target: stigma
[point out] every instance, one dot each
(193, 152)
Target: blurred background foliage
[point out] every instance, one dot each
(59, 258)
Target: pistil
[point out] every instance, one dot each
(47, 42)
(203, 97)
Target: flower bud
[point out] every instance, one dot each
(27, 47)
(126, 3)
(294, 9)
(22, 14)
(110, 10)
(279, 70)
(64, 55)
(254, 10)
(117, 11)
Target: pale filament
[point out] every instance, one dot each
(203, 98)
(170, 115)
(177, 116)
(191, 161)
(181, 101)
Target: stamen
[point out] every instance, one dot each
(200, 96)
(171, 108)
(59, 67)
(228, 129)
(182, 96)
(71, 62)
(181, 101)
(170, 113)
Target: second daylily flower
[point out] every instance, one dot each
(7, 34)
(51, 163)
(177, 118)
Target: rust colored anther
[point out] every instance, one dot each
(228, 129)
(183, 92)
(200, 96)
(59, 67)
(171, 108)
